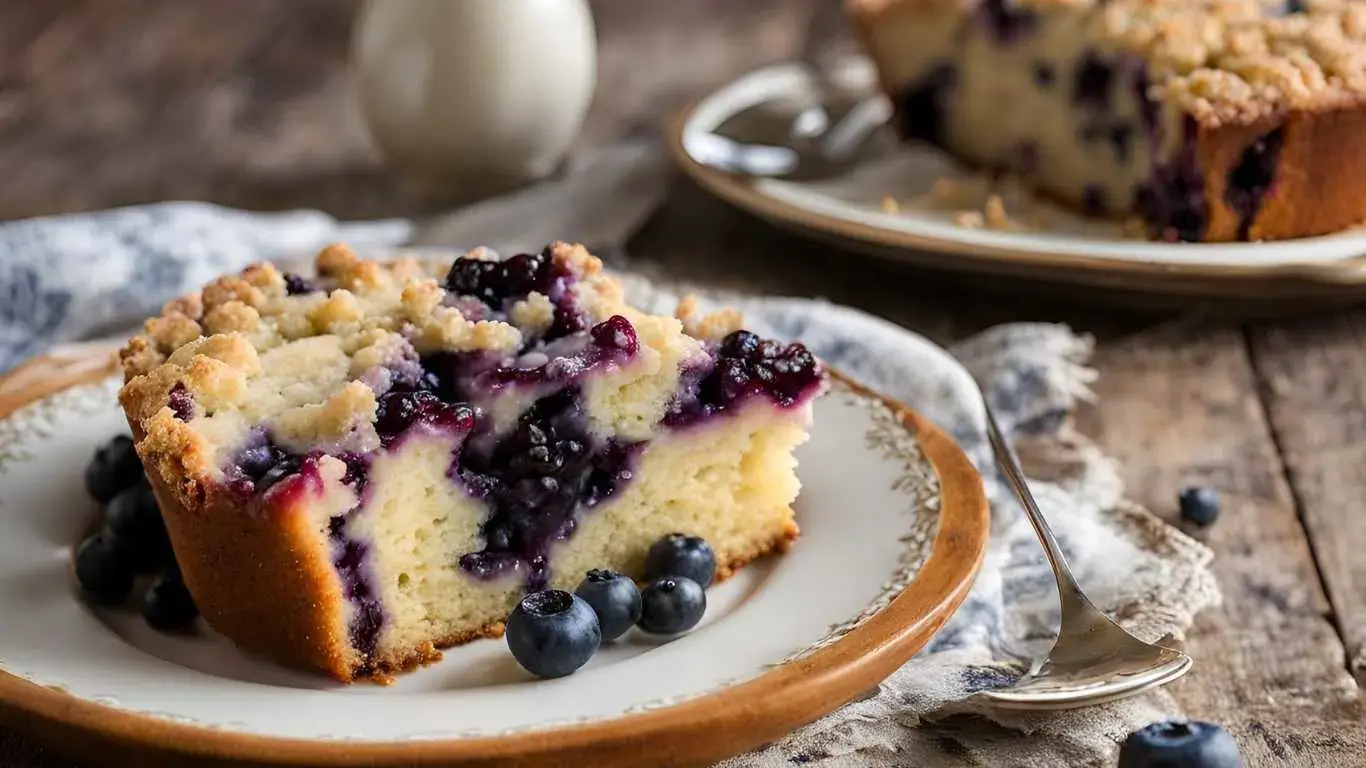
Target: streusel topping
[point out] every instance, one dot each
(308, 359)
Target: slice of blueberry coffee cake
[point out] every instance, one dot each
(1209, 120)
(358, 470)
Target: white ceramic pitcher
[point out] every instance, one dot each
(474, 96)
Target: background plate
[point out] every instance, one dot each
(786, 640)
(848, 211)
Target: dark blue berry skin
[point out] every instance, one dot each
(681, 555)
(671, 605)
(1199, 505)
(552, 633)
(104, 569)
(1180, 745)
(114, 467)
(134, 519)
(614, 598)
(168, 606)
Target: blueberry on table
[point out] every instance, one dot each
(1180, 745)
(614, 598)
(681, 555)
(671, 604)
(168, 605)
(104, 569)
(552, 633)
(135, 520)
(1199, 505)
(114, 467)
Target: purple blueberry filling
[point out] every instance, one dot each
(464, 376)
(181, 401)
(296, 285)
(1091, 82)
(1006, 22)
(497, 284)
(1119, 136)
(1251, 177)
(922, 106)
(401, 410)
(1173, 203)
(349, 558)
(535, 479)
(1093, 200)
(1044, 75)
(1138, 85)
(745, 366)
(611, 341)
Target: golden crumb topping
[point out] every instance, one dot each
(309, 358)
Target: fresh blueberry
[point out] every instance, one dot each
(114, 468)
(104, 569)
(296, 285)
(739, 344)
(135, 521)
(168, 605)
(181, 402)
(552, 633)
(1199, 505)
(614, 598)
(680, 555)
(1180, 745)
(671, 605)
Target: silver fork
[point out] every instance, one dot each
(1094, 660)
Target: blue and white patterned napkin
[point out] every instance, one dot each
(65, 278)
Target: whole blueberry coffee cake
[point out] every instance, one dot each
(359, 469)
(1210, 120)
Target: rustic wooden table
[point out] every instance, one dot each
(246, 103)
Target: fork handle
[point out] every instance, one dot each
(1069, 592)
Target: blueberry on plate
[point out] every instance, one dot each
(1199, 505)
(114, 468)
(168, 605)
(104, 569)
(135, 521)
(1180, 745)
(614, 598)
(552, 633)
(681, 555)
(671, 604)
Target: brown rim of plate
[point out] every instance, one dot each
(1336, 276)
(695, 732)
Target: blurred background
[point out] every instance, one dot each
(117, 102)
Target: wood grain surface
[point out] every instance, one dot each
(245, 103)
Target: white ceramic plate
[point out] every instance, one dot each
(849, 209)
(882, 510)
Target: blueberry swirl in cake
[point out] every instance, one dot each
(360, 469)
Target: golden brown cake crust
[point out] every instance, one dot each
(255, 576)
(1320, 187)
